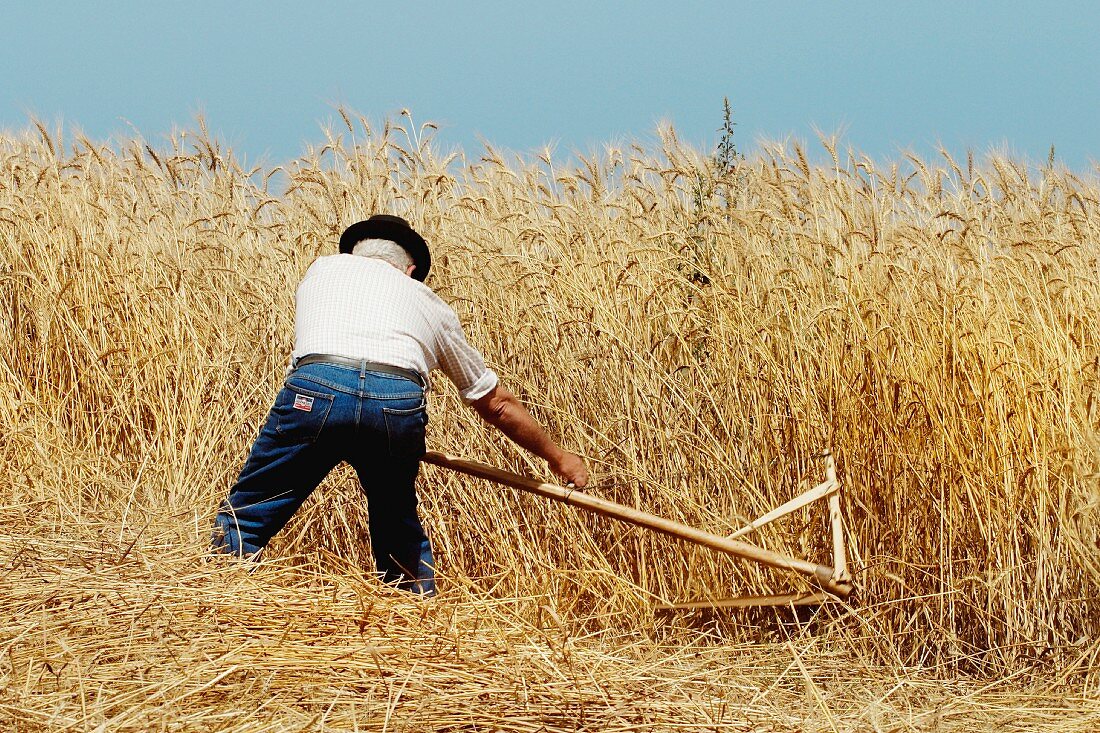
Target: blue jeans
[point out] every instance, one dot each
(324, 414)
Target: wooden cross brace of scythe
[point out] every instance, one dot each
(833, 582)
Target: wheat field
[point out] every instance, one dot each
(700, 329)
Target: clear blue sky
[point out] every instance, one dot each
(1019, 76)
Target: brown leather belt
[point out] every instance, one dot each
(369, 366)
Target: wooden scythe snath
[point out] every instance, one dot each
(833, 582)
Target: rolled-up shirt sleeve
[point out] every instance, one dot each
(464, 365)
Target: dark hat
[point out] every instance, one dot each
(395, 229)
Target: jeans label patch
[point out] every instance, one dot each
(303, 402)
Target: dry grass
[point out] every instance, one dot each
(701, 336)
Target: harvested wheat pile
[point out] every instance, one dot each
(700, 329)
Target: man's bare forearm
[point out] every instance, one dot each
(502, 410)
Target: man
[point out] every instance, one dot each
(367, 333)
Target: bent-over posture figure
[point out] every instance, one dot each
(367, 333)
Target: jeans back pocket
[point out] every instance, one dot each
(300, 414)
(405, 430)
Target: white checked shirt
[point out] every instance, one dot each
(364, 308)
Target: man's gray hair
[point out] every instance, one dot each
(385, 250)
